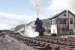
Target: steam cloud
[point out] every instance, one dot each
(37, 7)
(30, 31)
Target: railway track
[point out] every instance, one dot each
(45, 41)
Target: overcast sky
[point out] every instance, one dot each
(15, 12)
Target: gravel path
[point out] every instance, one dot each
(9, 43)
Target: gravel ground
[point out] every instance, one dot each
(9, 43)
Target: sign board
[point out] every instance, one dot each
(54, 29)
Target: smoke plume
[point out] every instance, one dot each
(37, 7)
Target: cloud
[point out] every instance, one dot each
(4, 26)
(8, 20)
(72, 5)
(59, 5)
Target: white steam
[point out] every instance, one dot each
(30, 31)
(37, 7)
